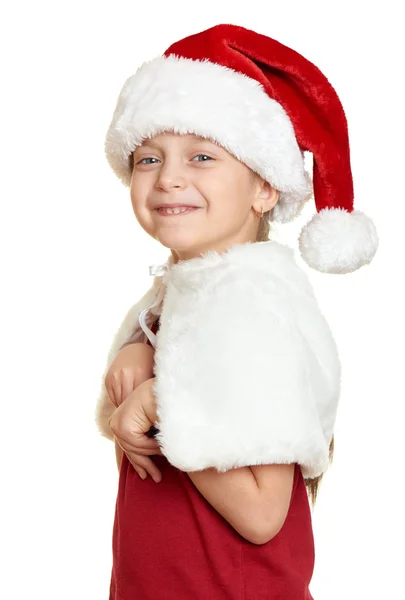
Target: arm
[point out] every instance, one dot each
(254, 500)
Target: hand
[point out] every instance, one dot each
(130, 423)
(132, 366)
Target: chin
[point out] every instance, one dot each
(181, 241)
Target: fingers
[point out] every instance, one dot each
(127, 385)
(116, 390)
(140, 462)
(111, 394)
(129, 435)
(141, 472)
(121, 386)
(148, 448)
(130, 443)
(146, 464)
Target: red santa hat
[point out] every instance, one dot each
(265, 104)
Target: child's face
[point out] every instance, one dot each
(169, 169)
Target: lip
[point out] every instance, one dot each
(176, 206)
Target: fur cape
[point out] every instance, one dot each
(247, 370)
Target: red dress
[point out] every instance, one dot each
(169, 543)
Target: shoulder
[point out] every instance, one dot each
(266, 275)
(249, 300)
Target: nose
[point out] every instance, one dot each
(170, 176)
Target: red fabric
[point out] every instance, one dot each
(169, 543)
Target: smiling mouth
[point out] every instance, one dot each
(176, 212)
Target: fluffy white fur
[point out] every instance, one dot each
(336, 241)
(247, 370)
(213, 101)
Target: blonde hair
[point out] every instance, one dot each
(312, 485)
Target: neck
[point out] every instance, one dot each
(219, 248)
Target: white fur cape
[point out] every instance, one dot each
(247, 370)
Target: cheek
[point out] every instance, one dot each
(231, 193)
(138, 198)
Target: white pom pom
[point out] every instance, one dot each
(336, 241)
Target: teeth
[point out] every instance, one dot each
(173, 211)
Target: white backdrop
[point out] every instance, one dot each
(74, 259)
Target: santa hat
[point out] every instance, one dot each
(265, 104)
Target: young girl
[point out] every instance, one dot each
(226, 370)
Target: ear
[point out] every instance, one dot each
(267, 197)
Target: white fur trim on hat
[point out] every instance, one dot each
(338, 241)
(191, 96)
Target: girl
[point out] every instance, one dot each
(226, 370)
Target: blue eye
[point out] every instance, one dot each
(206, 155)
(148, 158)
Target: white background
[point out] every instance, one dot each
(74, 259)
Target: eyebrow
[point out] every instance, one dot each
(194, 140)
